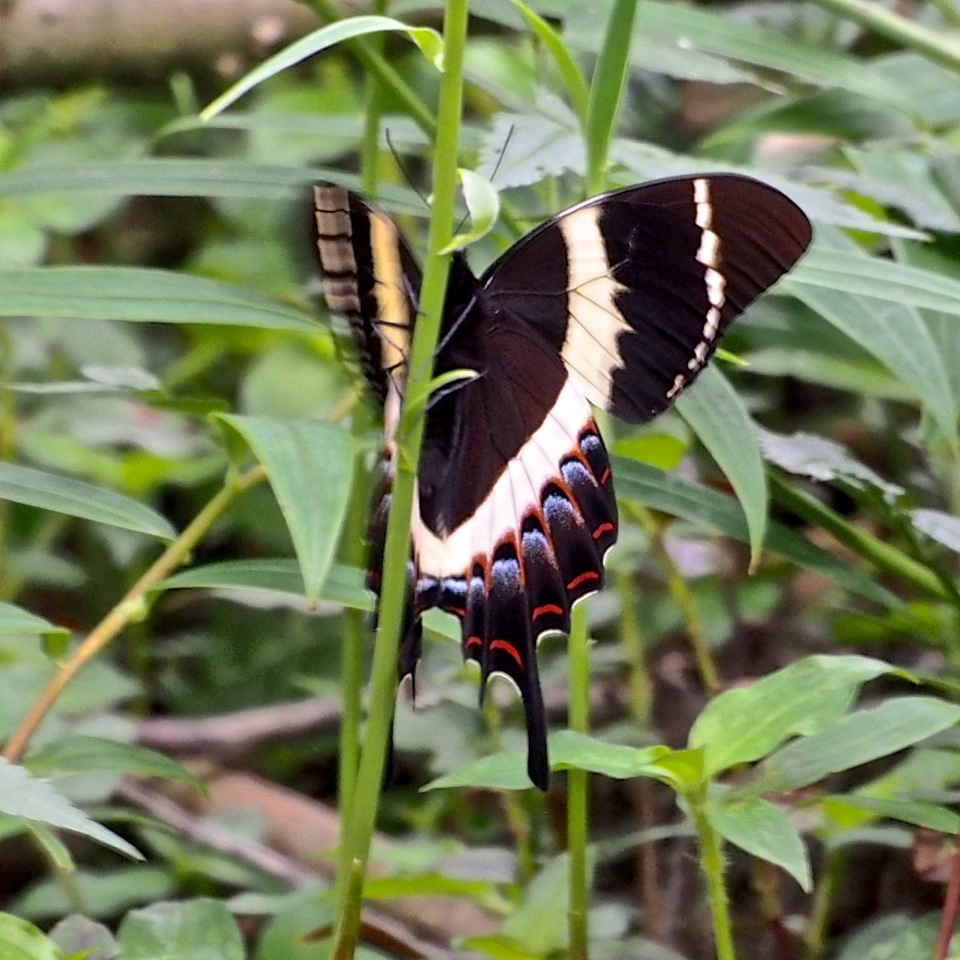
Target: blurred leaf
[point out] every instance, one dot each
(198, 929)
(310, 468)
(807, 455)
(717, 416)
(744, 724)
(84, 754)
(106, 894)
(21, 795)
(918, 812)
(14, 620)
(539, 924)
(80, 937)
(22, 243)
(939, 526)
(764, 830)
(142, 295)
(78, 499)
(699, 504)
(20, 940)
(427, 884)
(850, 741)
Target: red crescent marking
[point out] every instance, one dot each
(601, 530)
(474, 641)
(576, 581)
(605, 477)
(548, 608)
(457, 611)
(510, 648)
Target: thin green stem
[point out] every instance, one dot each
(378, 68)
(361, 814)
(352, 551)
(631, 642)
(683, 598)
(711, 860)
(578, 785)
(370, 145)
(940, 47)
(886, 558)
(824, 893)
(130, 607)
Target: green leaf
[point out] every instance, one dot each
(698, 504)
(679, 768)
(199, 929)
(427, 884)
(539, 924)
(719, 419)
(15, 620)
(140, 295)
(20, 940)
(918, 812)
(82, 754)
(764, 830)
(49, 491)
(22, 795)
(429, 41)
(844, 285)
(568, 68)
(498, 771)
(939, 526)
(744, 724)
(483, 202)
(863, 736)
(310, 468)
(344, 585)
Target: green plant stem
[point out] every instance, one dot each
(826, 888)
(683, 598)
(382, 72)
(370, 145)
(711, 860)
(631, 642)
(352, 553)
(130, 607)
(606, 90)
(886, 558)
(518, 819)
(578, 784)
(361, 814)
(935, 46)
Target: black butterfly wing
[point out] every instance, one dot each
(635, 288)
(515, 506)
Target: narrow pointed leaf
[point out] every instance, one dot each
(141, 295)
(429, 41)
(764, 830)
(746, 723)
(16, 620)
(853, 740)
(483, 202)
(49, 491)
(310, 467)
(719, 419)
(24, 796)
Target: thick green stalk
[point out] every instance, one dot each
(938, 46)
(606, 89)
(578, 785)
(361, 815)
(711, 860)
(370, 146)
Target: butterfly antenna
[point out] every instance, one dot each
(402, 168)
(503, 152)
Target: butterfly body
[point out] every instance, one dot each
(617, 302)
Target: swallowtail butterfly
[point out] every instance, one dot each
(617, 302)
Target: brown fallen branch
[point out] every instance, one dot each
(298, 831)
(54, 41)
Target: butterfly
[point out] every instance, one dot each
(616, 303)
